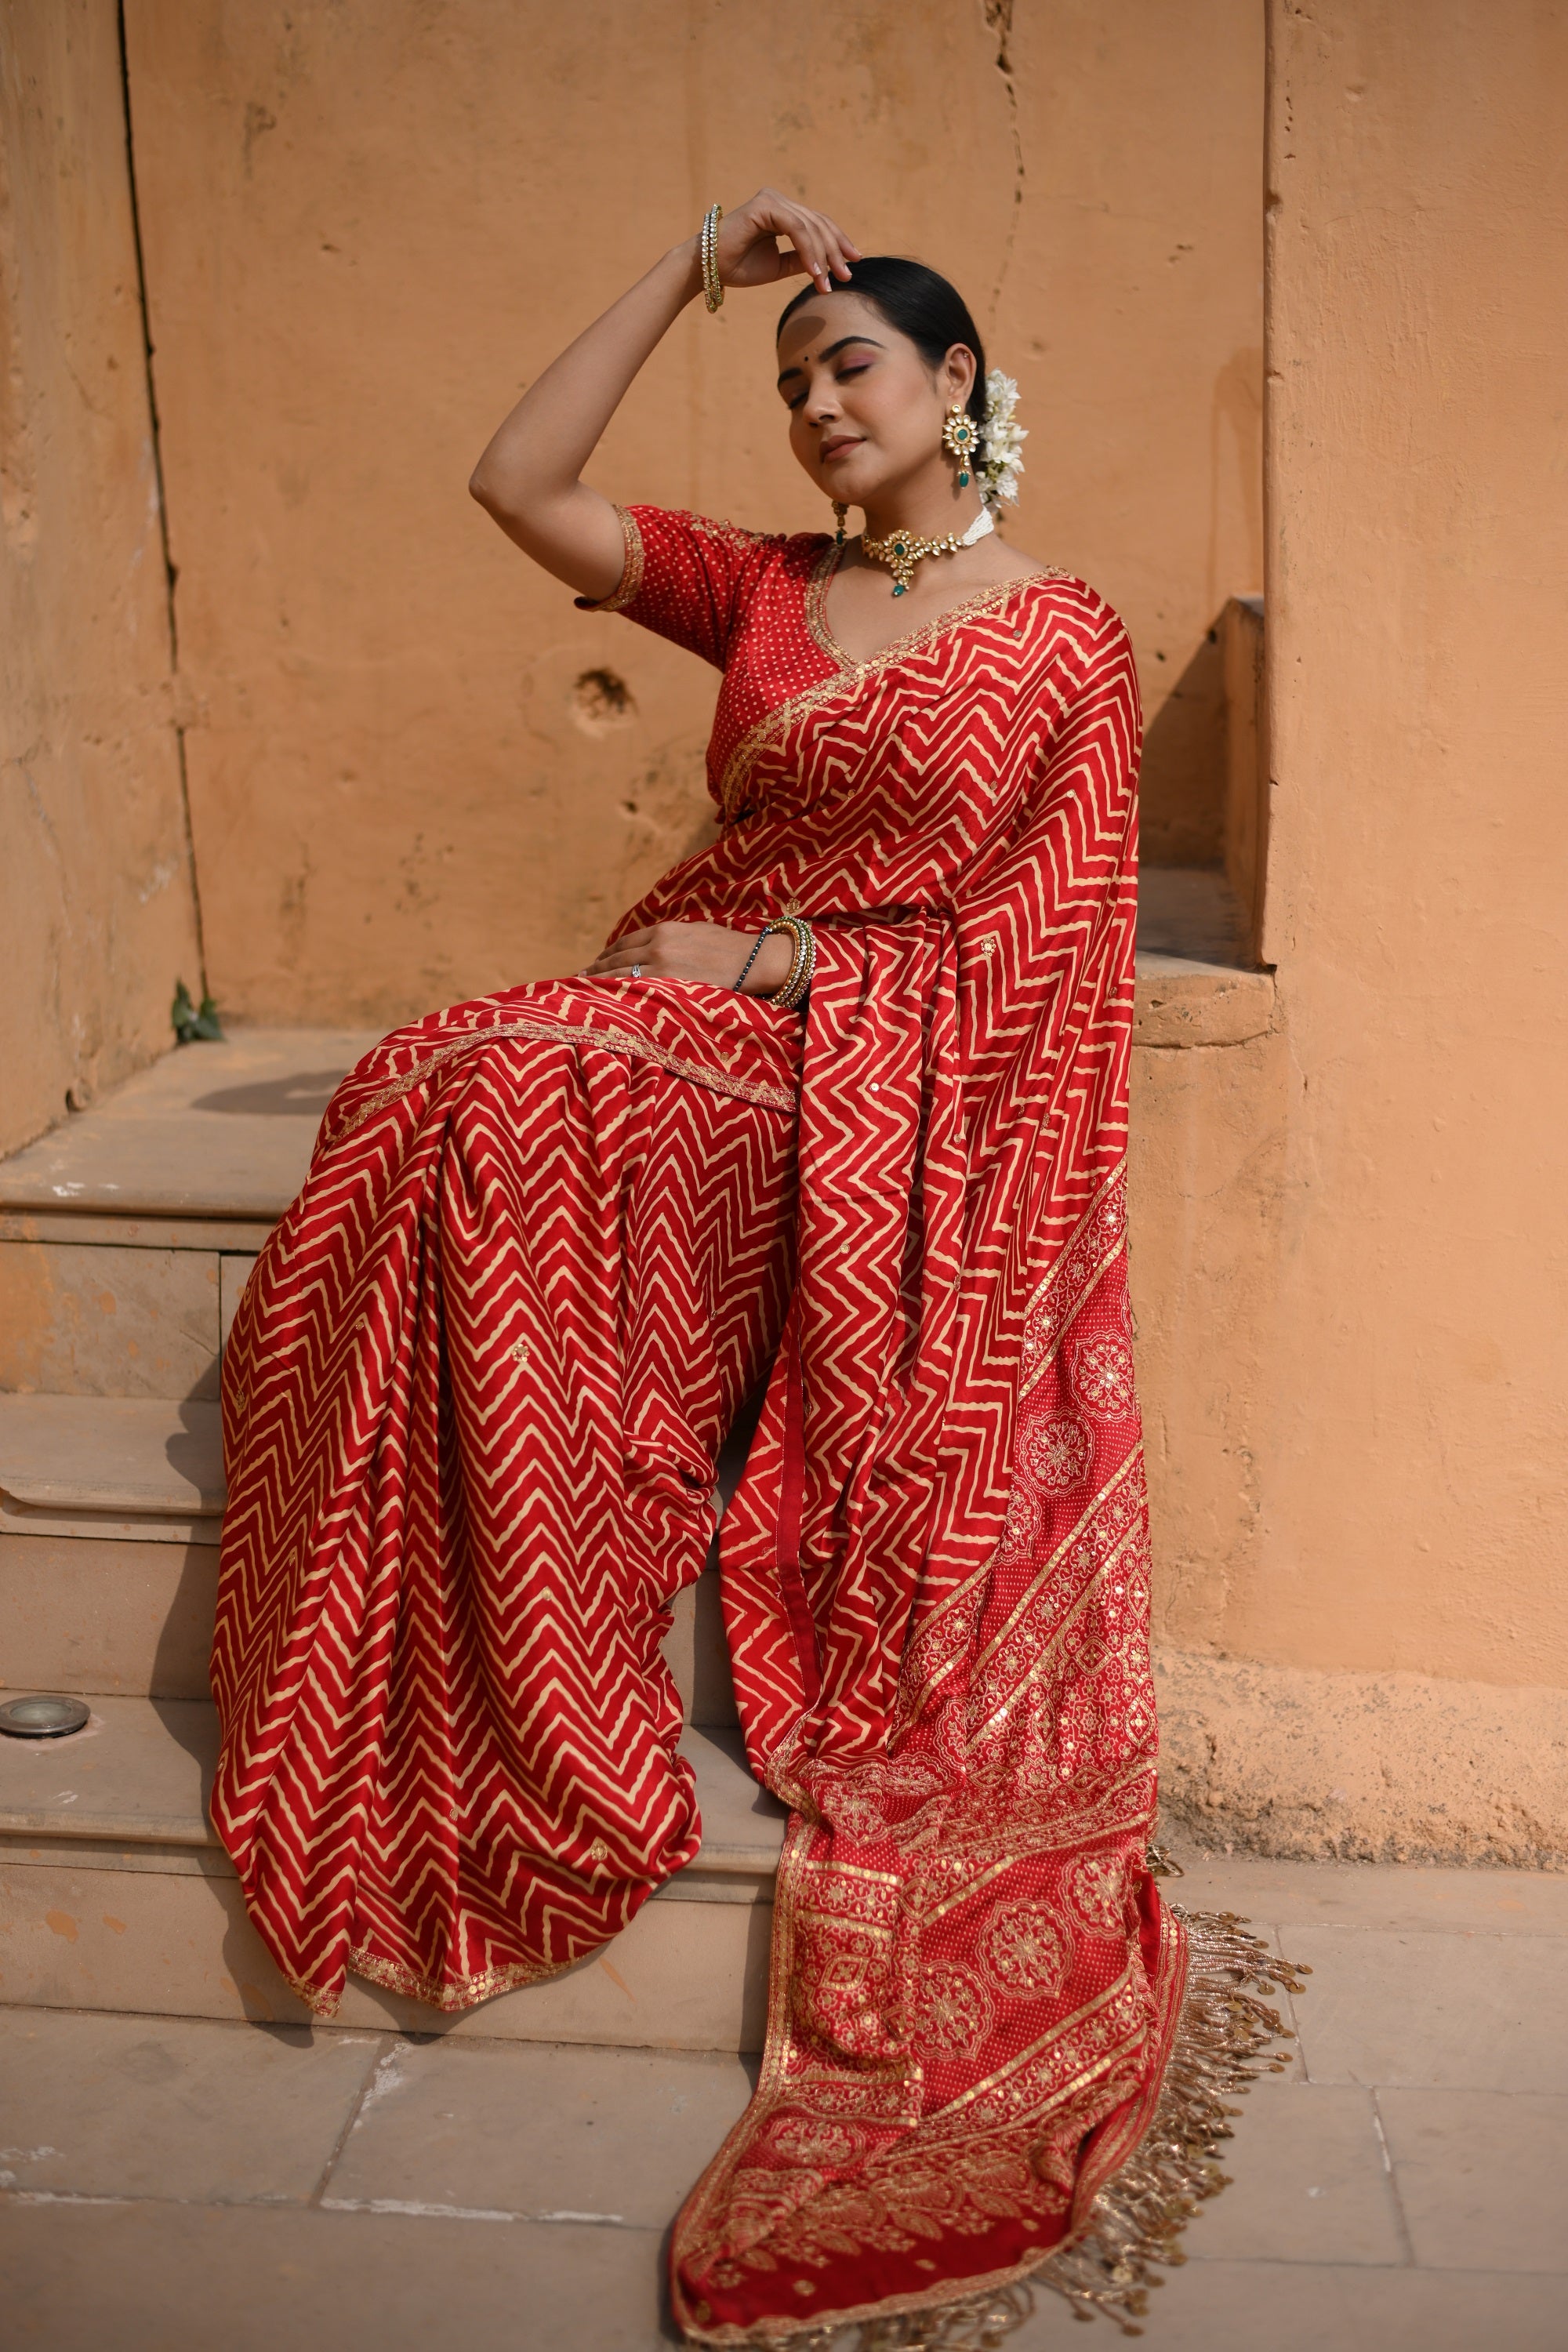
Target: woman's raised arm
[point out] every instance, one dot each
(529, 477)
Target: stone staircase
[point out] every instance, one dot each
(125, 1239)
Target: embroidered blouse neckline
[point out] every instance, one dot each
(823, 572)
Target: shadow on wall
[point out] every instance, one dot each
(1182, 792)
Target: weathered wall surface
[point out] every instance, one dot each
(96, 904)
(368, 226)
(1397, 1503)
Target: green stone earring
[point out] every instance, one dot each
(960, 439)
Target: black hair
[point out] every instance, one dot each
(923, 305)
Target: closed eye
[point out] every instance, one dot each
(841, 375)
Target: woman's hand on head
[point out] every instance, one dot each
(704, 952)
(749, 253)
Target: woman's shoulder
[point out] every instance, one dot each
(1060, 601)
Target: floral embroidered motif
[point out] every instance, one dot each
(953, 2012)
(807, 2139)
(1023, 1518)
(1102, 1377)
(1026, 1948)
(1096, 1890)
(1060, 1453)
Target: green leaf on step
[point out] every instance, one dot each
(191, 1025)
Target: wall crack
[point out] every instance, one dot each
(999, 24)
(171, 573)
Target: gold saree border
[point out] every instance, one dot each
(453, 1996)
(612, 1041)
(849, 674)
(913, 640)
(631, 569)
(1144, 2180)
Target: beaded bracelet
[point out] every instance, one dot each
(752, 959)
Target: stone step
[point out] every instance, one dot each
(214, 1136)
(111, 1511)
(127, 1235)
(123, 1469)
(115, 1893)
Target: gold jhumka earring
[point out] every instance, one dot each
(960, 439)
(839, 511)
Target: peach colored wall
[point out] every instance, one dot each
(96, 904)
(1410, 1423)
(366, 226)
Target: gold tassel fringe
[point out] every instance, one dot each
(1222, 2045)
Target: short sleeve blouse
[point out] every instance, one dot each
(740, 599)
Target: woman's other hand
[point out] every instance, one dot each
(749, 255)
(704, 952)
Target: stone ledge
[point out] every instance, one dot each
(1181, 1003)
(1314, 1766)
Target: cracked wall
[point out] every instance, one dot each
(96, 909)
(367, 226)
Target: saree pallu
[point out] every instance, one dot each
(472, 1405)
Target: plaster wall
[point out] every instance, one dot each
(368, 225)
(1365, 1605)
(1415, 1431)
(96, 909)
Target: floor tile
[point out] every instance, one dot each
(104, 2106)
(1308, 2182)
(181, 2278)
(1317, 2307)
(541, 2130)
(1479, 2175)
(1466, 2011)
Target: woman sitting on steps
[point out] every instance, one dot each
(841, 1106)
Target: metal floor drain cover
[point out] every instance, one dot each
(44, 1718)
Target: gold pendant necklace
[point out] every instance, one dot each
(902, 549)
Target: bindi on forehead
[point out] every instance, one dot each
(809, 358)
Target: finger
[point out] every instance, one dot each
(824, 237)
(814, 264)
(803, 231)
(845, 245)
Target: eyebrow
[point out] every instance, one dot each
(832, 350)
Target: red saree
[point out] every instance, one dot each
(472, 1401)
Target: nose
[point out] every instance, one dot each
(821, 407)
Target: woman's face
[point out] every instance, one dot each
(865, 410)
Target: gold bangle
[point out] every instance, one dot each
(803, 964)
(708, 248)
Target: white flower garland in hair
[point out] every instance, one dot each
(1002, 464)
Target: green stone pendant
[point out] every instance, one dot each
(897, 587)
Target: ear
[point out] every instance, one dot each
(958, 373)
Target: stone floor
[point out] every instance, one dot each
(169, 2184)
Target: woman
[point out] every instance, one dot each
(841, 1108)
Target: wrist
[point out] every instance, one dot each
(773, 965)
(686, 258)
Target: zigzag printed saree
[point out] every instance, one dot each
(472, 1403)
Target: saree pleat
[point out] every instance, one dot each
(550, 1243)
